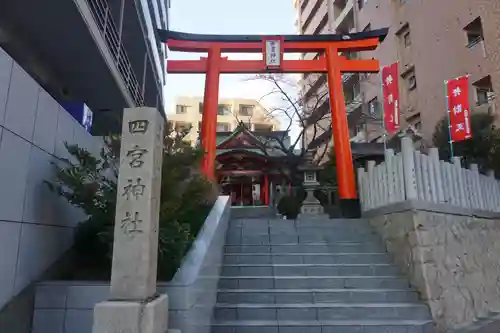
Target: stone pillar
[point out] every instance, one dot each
(461, 183)
(362, 184)
(409, 169)
(389, 156)
(134, 306)
(370, 169)
(479, 191)
(419, 175)
(438, 186)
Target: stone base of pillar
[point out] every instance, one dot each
(350, 208)
(312, 209)
(132, 316)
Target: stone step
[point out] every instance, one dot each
(271, 229)
(327, 326)
(277, 239)
(312, 282)
(285, 296)
(307, 258)
(310, 270)
(342, 247)
(321, 311)
(274, 222)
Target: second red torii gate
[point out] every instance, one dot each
(273, 49)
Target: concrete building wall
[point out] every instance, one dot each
(36, 227)
(231, 119)
(436, 50)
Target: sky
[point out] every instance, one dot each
(267, 17)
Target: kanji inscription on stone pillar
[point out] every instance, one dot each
(137, 209)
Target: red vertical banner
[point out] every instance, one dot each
(459, 108)
(390, 90)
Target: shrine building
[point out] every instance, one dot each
(251, 165)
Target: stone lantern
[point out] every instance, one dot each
(310, 206)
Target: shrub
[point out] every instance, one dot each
(89, 183)
(289, 206)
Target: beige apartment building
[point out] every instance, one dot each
(186, 112)
(432, 41)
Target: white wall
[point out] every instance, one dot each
(35, 226)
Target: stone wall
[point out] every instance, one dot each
(36, 227)
(450, 255)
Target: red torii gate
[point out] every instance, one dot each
(273, 48)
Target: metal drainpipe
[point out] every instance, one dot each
(144, 74)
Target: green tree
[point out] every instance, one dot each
(483, 148)
(89, 182)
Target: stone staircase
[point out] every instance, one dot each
(316, 276)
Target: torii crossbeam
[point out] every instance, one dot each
(273, 49)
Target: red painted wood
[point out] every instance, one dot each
(258, 66)
(340, 129)
(209, 118)
(257, 47)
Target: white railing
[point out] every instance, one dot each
(411, 175)
(102, 16)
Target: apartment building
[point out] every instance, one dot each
(186, 112)
(103, 53)
(432, 40)
(62, 63)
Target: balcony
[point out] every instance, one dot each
(353, 104)
(109, 32)
(78, 51)
(346, 12)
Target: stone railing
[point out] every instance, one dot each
(411, 175)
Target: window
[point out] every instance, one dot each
(199, 127)
(262, 128)
(474, 32)
(412, 81)
(407, 39)
(373, 108)
(181, 109)
(246, 110)
(418, 125)
(182, 126)
(200, 107)
(404, 35)
(484, 90)
(224, 110)
(223, 127)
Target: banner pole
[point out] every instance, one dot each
(450, 141)
(383, 109)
